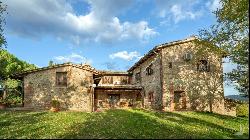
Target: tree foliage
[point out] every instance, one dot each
(2, 23)
(231, 33)
(10, 64)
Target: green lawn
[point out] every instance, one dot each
(119, 124)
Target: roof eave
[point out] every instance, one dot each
(158, 48)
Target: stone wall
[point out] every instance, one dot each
(203, 89)
(150, 83)
(40, 88)
(128, 98)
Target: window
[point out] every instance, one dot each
(188, 56)
(151, 96)
(124, 80)
(114, 100)
(137, 76)
(170, 65)
(61, 78)
(203, 65)
(177, 96)
(107, 80)
(149, 70)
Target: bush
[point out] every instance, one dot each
(55, 103)
(242, 110)
(12, 99)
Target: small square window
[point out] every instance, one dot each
(61, 78)
(203, 65)
(170, 65)
(151, 96)
(138, 76)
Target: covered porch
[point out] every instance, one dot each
(123, 96)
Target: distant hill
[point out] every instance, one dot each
(238, 98)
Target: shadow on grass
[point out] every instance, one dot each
(18, 123)
(114, 124)
(15, 117)
(143, 124)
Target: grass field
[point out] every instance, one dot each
(119, 124)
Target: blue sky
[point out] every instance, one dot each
(108, 34)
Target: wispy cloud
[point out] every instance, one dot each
(111, 66)
(178, 10)
(180, 14)
(73, 57)
(37, 18)
(213, 5)
(126, 56)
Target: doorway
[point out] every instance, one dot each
(179, 100)
(114, 100)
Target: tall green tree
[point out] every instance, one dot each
(2, 23)
(10, 64)
(231, 33)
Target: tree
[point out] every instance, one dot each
(231, 33)
(10, 64)
(2, 23)
(51, 63)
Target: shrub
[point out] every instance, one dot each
(12, 99)
(55, 103)
(242, 110)
(3, 101)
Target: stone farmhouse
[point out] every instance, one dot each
(170, 77)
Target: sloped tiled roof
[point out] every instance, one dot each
(103, 72)
(83, 67)
(158, 48)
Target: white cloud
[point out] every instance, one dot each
(73, 57)
(37, 18)
(179, 14)
(178, 10)
(214, 5)
(125, 55)
(111, 66)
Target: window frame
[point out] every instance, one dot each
(201, 67)
(138, 76)
(151, 97)
(64, 76)
(170, 65)
(149, 70)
